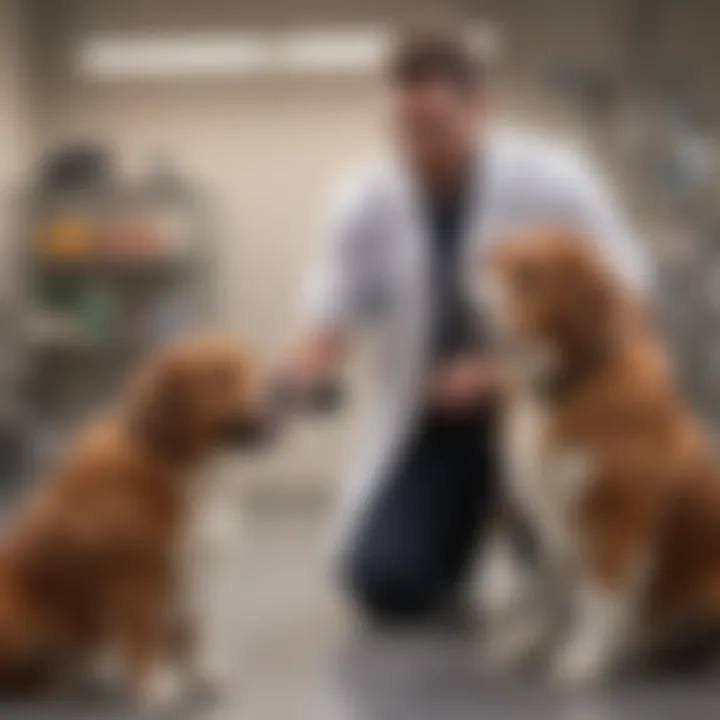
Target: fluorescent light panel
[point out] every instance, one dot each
(355, 50)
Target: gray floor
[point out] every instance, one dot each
(291, 652)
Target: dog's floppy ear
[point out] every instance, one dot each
(160, 408)
(593, 315)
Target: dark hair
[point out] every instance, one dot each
(435, 52)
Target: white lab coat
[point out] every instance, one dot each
(372, 273)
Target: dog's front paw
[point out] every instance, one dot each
(502, 585)
(162, 690)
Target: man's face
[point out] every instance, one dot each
(435, 124)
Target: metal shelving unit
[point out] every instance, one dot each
(106, 275)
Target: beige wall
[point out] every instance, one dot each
(14, 137)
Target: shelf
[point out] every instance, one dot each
(120, 266)
(88, 346)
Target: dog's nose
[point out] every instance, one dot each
(251, 429)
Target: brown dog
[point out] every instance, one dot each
(605, 461)
(91, 565)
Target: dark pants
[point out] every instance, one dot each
(420, 534)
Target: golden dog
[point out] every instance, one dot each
(91, 564)
(605, 461)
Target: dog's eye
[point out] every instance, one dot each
(220, 380)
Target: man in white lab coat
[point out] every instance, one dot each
(394, 268)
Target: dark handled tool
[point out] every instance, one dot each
(284, 400)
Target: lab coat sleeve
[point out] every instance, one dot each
(595, 211)
(333, 286)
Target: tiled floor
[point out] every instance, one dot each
(290, 653)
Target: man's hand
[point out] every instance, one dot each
(315, 355)
(464, 383)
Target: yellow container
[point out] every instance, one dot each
(66, 239)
